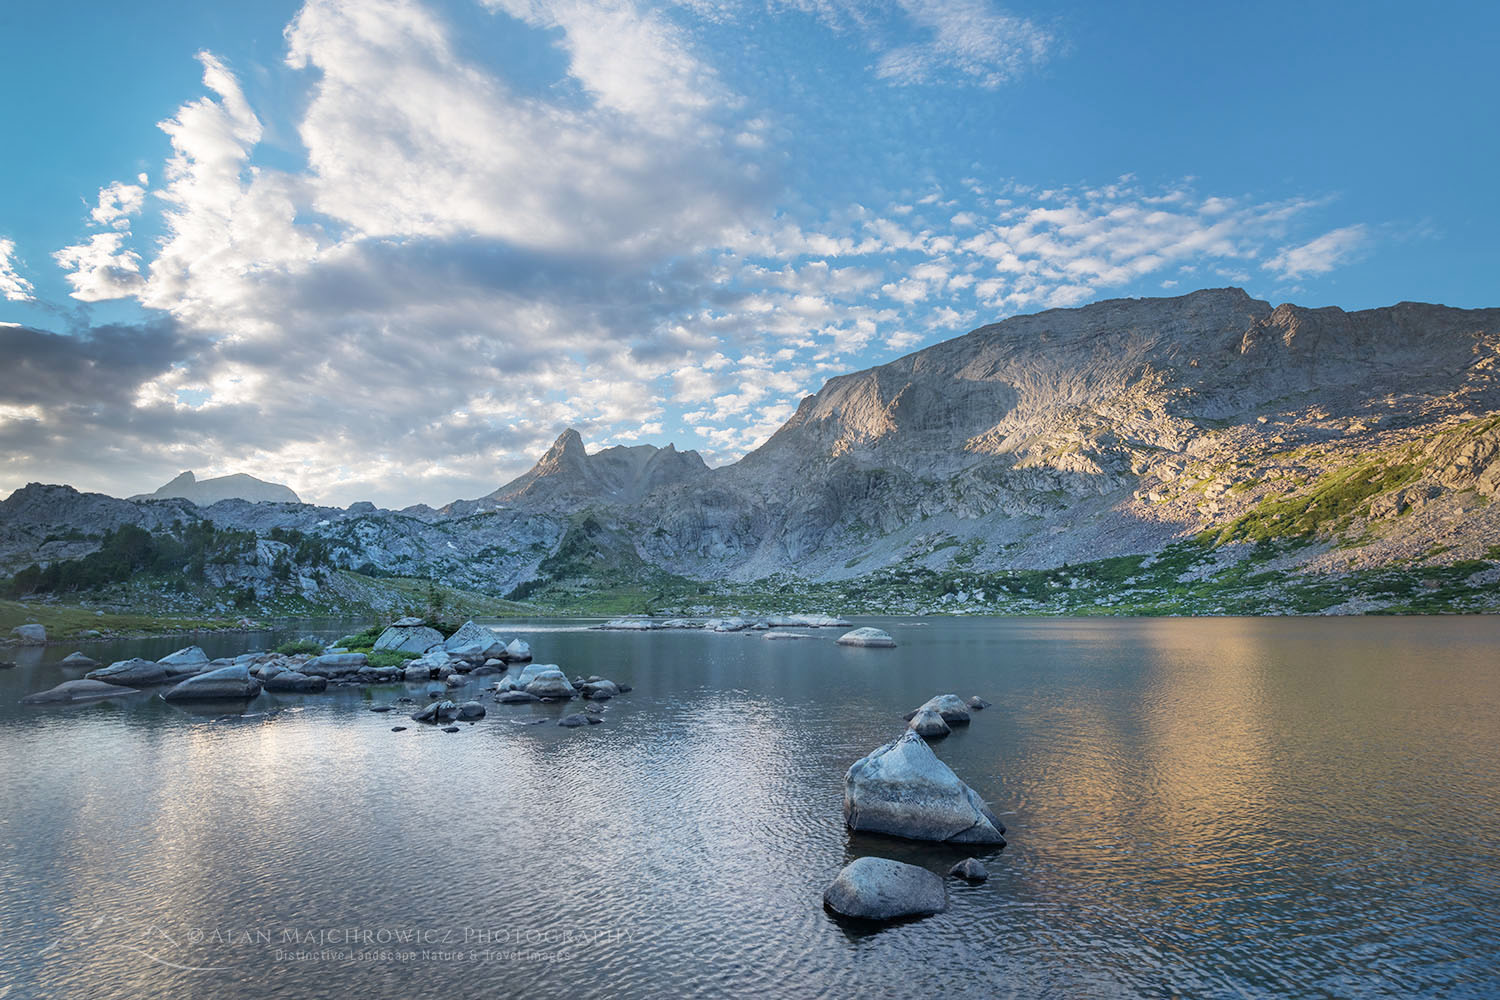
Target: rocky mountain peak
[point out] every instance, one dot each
(238, 486)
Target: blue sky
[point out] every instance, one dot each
(388, 250)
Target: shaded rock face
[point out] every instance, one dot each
(475, 639)
(295, 681)
(401, 638)
(75, 691)
(928, 724)
(183, 659)
(550, 683)
(880, 889)
(903, 790)
(335, 664)
(132, 673)
(567, 476)
(236, 487)
(953, 709)
(970, 870)
(230, 683)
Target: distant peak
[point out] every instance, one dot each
(567, 441)
(184, 479)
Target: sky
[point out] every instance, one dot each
(389, 249)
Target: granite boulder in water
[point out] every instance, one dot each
(875, 637)
(880, 889)
(903, 790)
(75, 691)
(132, 673)
(232, 683)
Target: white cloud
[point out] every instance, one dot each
(101, 268)
(14, 287)
(117, 203)
(969, 39)
(1321, 255)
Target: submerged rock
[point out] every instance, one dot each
(970, 870)
(574, 720)
(902, 789)
(471, 710)
(76, 691)
(867, 637)
(79, 660)
(225, 683)
(928, 724)
(880, 889)
(977, 703)
(515, 697)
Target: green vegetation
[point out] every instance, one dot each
(388, 658)
(1334, 501)
(129, 550)
(72, 622)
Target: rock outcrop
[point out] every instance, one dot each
(232, 683)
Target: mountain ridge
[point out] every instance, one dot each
(1123, 428)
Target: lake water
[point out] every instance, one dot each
(1198, 808)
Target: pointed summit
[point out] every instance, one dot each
(569, 477)
(236, 487)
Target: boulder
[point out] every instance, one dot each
(474, 641)
(438, 711)
(880, 889)
(902, 789)
(530, 672)
(75, 691)
(413, 638)
(977, 703)
(953, 709)
(867, 637)
(471, 710)
(293, 680)
(132, 673)
(186, 660)
(515, 697)
(550, 684)
(928, 724)
(519, 651)
(233, 682)
(30, 634)
(335, 664)
(79, 660)
(600, 690)
(416, 672)
(574, 720)
(970, 870)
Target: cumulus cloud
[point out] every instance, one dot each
(118, 202)
(101, 268)
(462, 267)
(14, 287)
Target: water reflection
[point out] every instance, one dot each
(1205, 808)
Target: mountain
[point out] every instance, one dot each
(568, 478)
(236, 487)
(1206, 452)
